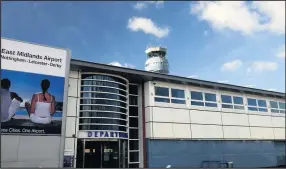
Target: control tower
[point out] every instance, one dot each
(157, 60)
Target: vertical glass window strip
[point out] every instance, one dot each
(133, 89)
(133, 100)
(133, 148)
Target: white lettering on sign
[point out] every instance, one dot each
(107, 134)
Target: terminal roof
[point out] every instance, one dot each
(141, 76)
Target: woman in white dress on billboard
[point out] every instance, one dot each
(42, 106)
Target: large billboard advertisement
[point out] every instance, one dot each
(33, 81)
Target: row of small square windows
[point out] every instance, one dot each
(209, 100)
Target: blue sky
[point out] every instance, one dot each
(27, 84)
(232, 42)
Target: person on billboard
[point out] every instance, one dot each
(42, 106)
(10, 101)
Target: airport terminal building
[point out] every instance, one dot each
(168, 120)
(118, 117)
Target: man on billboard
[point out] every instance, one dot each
(10, 101)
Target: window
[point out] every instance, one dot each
(159, 99)
(282, 107)
(256, 105)
(133, 89)
(162, 94)
(210, 100)
(133, 100)
(177, 93)
(203, 99)
(161, 91)
(197, 98)
(178, 96)
(232, 102)
(196, 95)
(277, 107)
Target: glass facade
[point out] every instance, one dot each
(134, 126)
(103, 103)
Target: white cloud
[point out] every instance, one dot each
(251, 85)
(272, 89)
(241, 16)
(232, 65)
(260, 66)
(127, 65)
(193, 76)
(281, 52)
(145, 4)
(146, 25)
(223, 81)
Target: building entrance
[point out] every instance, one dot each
(100, 154)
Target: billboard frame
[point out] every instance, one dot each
(65, 97)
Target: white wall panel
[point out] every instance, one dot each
(72, 108)
(263, 121)
(205, 117)
(73, 84)
(261, 133)
(182, 130)
(74, 74)
(206, 131)
(148, 114)
(31, 150)
(180, 116)
(162, 114)
(69, 143)
(147, 94)
(70, 126)
(9, 148)
(163, 130)
(236, 132)
(235, 119)
(279, 133)
(278, 122)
